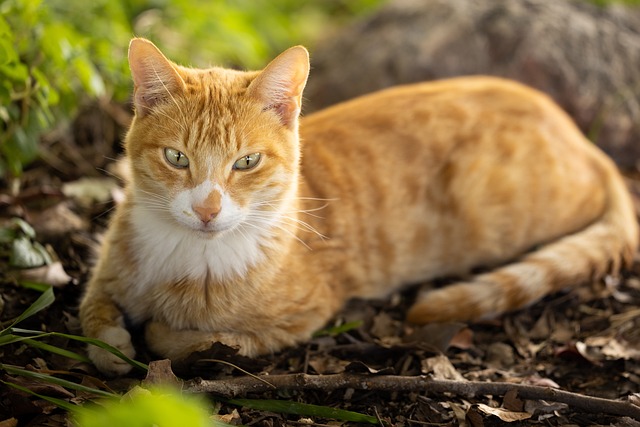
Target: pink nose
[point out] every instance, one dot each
(209, 208)
(206, 212)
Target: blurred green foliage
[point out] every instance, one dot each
(55, 54)
(141, 408)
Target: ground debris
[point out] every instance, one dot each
(585, 342)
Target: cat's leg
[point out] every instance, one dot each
(179, 344)
(102, 319)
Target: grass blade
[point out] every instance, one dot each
(34, 286)
(304, 409)
(92, 341)
(58, 402)
(14, 370)
(57, 350)
(337, 330)
(43, 301)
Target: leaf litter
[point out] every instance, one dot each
(585, 341)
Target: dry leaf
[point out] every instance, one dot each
(57, 221)
(434, 336)
(500, 355)
(512, 402)
(88, 191)
(160, 373)
(385, 326)
(541, 382)
(11, 422)
(232, 418)
(51, 274)
(325, 364)
(441, 368)
(503, 414)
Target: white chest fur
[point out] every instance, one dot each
(170, 252)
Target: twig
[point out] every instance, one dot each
(243, 385)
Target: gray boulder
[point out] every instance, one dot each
(586, 57)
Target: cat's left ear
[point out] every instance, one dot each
(279, 86)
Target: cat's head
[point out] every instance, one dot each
(214, 149)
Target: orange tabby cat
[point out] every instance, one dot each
(225, 235)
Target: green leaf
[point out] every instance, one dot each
(28, 254)
(304, 409)
(24, 227)
(63, 404)
(14, 370)
(43, 301)
(142, 408)
(7, 235)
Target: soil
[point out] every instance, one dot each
(585, 341)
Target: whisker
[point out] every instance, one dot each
(296, 222)
(280, 227)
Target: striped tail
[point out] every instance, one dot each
(603, 247)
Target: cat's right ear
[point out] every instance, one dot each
(279, 86)
(155, 80)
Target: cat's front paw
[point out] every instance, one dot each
(106, 362)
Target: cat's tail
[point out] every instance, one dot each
(603, 247)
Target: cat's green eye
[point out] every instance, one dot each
(247, 162)
(176, 158)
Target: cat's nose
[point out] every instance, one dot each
(206, 212)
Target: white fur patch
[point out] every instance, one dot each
(174, 244)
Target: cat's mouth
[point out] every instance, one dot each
(212, 230)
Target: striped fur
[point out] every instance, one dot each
(390, 189)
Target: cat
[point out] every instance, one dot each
(236, 229)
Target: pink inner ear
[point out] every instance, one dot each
(288, 111)
(154, 76)
(279, 86)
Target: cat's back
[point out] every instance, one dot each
(440, 103)
(424, 173)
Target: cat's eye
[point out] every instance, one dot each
(176, 158)
(247, 162)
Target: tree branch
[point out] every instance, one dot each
(243, 385)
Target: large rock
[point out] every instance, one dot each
(587, 58)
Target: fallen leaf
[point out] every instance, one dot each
(512, 402)
(51, 274)
(615, 350)
(434, 336)
(634, 398)
(500, 355)
(385, 326)
(88, 191)
(160, 373)
(360, 367)
(503, 414)
(57, 221)
(540, 408)
(441, 368)
(232, 418)
(11, 422)
(541, 382)
(325, 364)
(26, 253)
(463, 339)
(581, 350)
